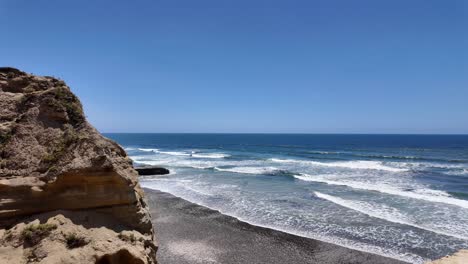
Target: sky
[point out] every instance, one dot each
(250, 66)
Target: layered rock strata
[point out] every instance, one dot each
(52, 159)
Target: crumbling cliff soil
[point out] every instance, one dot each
(56, 168)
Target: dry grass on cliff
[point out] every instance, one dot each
(74, 240)
(78, 238)
(33, 234)
(63, 99)
(129, 238)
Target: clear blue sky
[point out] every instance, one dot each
(396, 66)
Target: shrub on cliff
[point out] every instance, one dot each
(74, 241)
(33, 234)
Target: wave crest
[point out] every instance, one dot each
(250, 170)
(384, 212)
(358, 164)
(148, 150)
(210, 155)
(421, 194)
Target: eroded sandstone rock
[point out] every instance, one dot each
(104, 240)
(460, 257)
(51, 158)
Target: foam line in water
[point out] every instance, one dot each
(357, 164)
(148, 149)
(249, 170)
(426, 165)
(210, 155)
(128, 148)
(186, 161)
(175, 153)
(196, 155)
(421, 194)
(382, 212)
(407, 257)
(461, 172)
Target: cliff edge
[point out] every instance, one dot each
(60, 177)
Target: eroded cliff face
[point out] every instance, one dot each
(52, 159)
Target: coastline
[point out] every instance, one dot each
(191, 233)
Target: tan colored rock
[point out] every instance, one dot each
(100, 244)
(461, 257)
(51, 158)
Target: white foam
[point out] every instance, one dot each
(148, 149)
(210, 155)
(421, 166)
(128, 148)
(249, 170)
(200, 167)
(150, 160)
(457, 172)
(197, 191)
(384, 212)
(323, 152)
(175, 153)
(366, 247)
(186, 161)
(358, 164)
(421, 194)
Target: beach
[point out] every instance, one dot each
(399, 196)
(190, 233)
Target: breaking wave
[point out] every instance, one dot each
(421, 194)
(149, 150)
(386, 213)
(175, 153)
(250, 170)
(210, 155)
(358, 164)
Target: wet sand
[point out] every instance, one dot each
(190, 233)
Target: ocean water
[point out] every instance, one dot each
(402, 196)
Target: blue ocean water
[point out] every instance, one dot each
(402, 196)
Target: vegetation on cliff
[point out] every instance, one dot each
(52, 159)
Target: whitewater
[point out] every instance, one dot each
(404, 197)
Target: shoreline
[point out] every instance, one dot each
(191, 233)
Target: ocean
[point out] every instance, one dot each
(401, 196)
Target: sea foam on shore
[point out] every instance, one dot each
(398, 196)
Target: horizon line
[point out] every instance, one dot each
(294, 133)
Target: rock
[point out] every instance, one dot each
(460, 257)
(99, 244)
(151, 170)
(52, 159)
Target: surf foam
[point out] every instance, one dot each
(148, 149)
(366, 247)
(210, 155)
(421, 194)
(383, 212)
(175, 153)
(358, 164)
(249, 170)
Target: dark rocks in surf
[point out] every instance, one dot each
(151, 170)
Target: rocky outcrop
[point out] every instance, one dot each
(151, 170)
(460, 257)
(73, 237)
(52, 159)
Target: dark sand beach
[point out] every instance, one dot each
(190, 233)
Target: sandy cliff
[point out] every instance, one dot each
(52, 159)
(460, 257)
